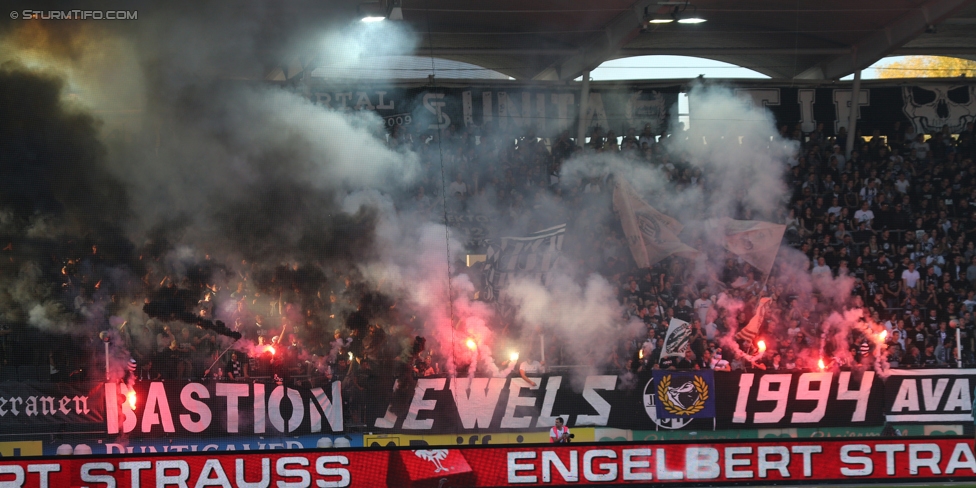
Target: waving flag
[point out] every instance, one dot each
(754, 327)
(756, 242)
(533, 255)
(651, 235)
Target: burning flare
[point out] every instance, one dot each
(131, 396)
(762, 346)
(820, 364)
(472, 344)
(883, 335)
(514, 356)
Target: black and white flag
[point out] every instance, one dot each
(532, 255)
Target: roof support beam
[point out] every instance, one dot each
(601, 46)
(884, 41)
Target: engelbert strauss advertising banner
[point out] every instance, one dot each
(762, 462)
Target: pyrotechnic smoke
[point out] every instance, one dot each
(137, 164)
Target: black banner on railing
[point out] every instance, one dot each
(549, 109)
(448, 405)
(441, 405)
(930, 395)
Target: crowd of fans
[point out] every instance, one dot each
(895, 223)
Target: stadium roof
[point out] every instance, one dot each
(559, 39)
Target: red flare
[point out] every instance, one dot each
(472, 344)
(131, 396)
(98, 285)
(883, 335)
(762, 346)
(820, 364)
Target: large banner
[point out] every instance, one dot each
(824, 399)
(666, 400)
(888, 460)
(547, 110)
(550, 109)
(927, 108)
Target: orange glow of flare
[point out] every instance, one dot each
(472, 344)
(270, 349)
(514, 356)
(98, 285)
(820, 364)
(131, 396)
(762, 346)
(640, 354)
(883, 335)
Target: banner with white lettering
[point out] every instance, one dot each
(51, 408)
(518, 107)
(549, 110)
(754, 400)
(929, 395)
(221, 408)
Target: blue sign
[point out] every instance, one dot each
(684, 394)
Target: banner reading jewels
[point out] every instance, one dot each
(826, 399)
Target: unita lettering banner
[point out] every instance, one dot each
(757, 462)
(548, 110)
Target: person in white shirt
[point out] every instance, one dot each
(921, 147)
(821, 269)
(703, 306)
(864, 215)
(458, 186)
(902, 184)
(910, 277)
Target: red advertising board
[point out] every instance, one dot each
(762, 462)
